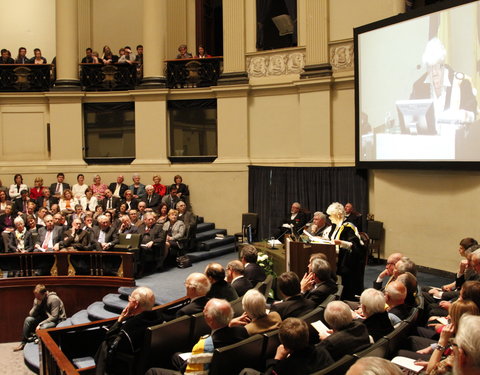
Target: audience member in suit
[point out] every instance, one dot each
(347, 336)
(175, 234)
(57, 188)
(353, 216)
(49, 236)
(142, 206)
(318, 225)
(374, 365)
(292, 223)
(395, 294)
(129, 200)
(219, 287)
(294, 355)
(7, 226)
(410, 282)
(184, 215)
(318, 284)
(294, 304)
(118, 188)
(218, 313)
(20, 203)
(126, 226)
(76, 238)
(110, 203)
(104, 236)
(60, 220)
(21, 240)
(151, 198)
(255, 317)
(16, 187)
(46, 200)
(372, 304)
(196, 289)
(129, 331)
(133, 215)
(236, 278)
(137, 188)
(253, 272)
(388, 271)
(171, 199)
(153, 240)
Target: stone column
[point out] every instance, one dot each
(66, 29)
(233, 43)
(154, 31)
(317, 59)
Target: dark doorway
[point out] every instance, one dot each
(209, 26)
(276, 24)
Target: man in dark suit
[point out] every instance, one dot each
(376, 320)
(7, 226)
(219, 287)
(46, 200)
(318, 284)
(20, 204)
(118, 188)
(294, 304)
(218, 314)
(153, 240)
(76, 238)
(253, 272)
(49, 236)
(292, 223)
(104, 236)
(318, 225)
(172, 198)
(353, 216)
(57, 188)
(110, 203)
(346, 335)
(235, 276)
(395, 294)
(152, 199)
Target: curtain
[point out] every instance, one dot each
(272, 190)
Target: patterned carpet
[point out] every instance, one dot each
(11, 362)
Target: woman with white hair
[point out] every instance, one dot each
(350, 249)
(21, 239)
(255, 317)
(377, 321)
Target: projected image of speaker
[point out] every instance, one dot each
(416, 116)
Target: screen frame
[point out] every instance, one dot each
(382, 164)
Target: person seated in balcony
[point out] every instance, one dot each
(88, 59)
(96, 58)
(126, 226)
(129, 200)
(38, 58)
(21, 240)
(184, 215)
(67, 202)
(78, 190)
(108, 57)
(37, 191)
(201, 54)
(137, 187)
(182, 189)
(151, 199)
(98, 188)
(49, 236)
(104, 235)
(172, 198)
(110, 203)
(5, 59)
(127, 57)
(183, 52)
(46, 200)
(89, 202)
(22, 56)
(76, 238)
(17, 186)
(159, 188)
(20, 203)
(118, 188)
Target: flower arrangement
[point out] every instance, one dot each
(266, 263)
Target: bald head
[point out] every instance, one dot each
(218, 313)
(197, 285)
(374, 366)
(395, 293)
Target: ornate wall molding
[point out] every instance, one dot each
(275, 63)
(341, 56)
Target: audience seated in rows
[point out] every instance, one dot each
(252, 271)
(235, 276)
(220, 288)
(318, 284)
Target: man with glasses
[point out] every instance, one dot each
(388, 271)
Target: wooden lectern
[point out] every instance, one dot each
(298, 253)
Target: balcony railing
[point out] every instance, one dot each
(186, 73)
(25, 77)
(112, 77)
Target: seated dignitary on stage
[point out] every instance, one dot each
(374, 366)
(75, 238)
(353, 216)
(49, 236)
(151, 198)
(347, 335)
(218, 314)
(292, 223)
(235, 276)
(294, 304)
(295, 356)
(104, 236)
(153, 240)
(21, 240)
(118, 188)
(219, 287)
(395, 294)
(252, 271)
(350, 249)
(127, 334)
(255, 317)
(47, 312)
(318, 225)
(388, 271)
(196, 289)
(372, 303)
(318, 284)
